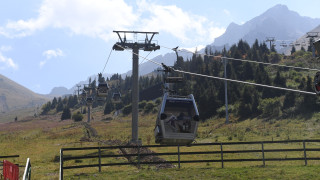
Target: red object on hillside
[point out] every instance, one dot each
(10, 170)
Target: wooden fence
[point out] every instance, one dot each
(221, 152)
(6, 157)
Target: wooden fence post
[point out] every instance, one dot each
(264, 163)
(305, 153)
(179, 155)
(99, 158)
(61, 164)
(222, 166)
(138, 156)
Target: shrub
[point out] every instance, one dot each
(127, 109)
(77, 116)
(158, 101)
(142, 104)
(119, 106)
(270, 107)
(149, 107)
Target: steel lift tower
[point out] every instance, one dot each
(79, 86)
(145, 45)
(89, 99)
(311, 36)
(271, 40)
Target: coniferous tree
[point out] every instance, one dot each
(108, 107)
(309, 101)
(54, 103)
(66, 114)
(59, 106)
(248, 71)
(289, 100)
(293, 50)
(46, 108)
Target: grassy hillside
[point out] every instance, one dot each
(41, 138)
(14, 96)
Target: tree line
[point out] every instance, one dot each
(244, 101)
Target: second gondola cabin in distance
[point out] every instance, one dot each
(116, 97)
(102, 90)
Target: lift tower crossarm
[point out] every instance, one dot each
(146, 46)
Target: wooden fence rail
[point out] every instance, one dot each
(5, 157)
(222, 153)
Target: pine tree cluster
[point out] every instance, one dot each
(245, 101)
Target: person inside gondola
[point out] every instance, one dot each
(181, 116)
(184, 123)
(173, 120)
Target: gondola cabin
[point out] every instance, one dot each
(116, 97)
(89, 101)
(102, 90)
(177, 121)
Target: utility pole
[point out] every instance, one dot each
(88, 99)
(79, 99)
(226, 88)
(311, 36)
(78, 86)
(135, 46)
(271, 40)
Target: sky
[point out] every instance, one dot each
(52, 43)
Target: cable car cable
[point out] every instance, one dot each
(107, 61)
(145, 58)
(226, 79)
(245, 60)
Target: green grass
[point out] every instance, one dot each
(41, 139)
(208, 172)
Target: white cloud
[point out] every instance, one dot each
(8, 62)
(215, 32)
(5, 48)
(193, 49)
(95, 18)
(98, 18)
(173, 20)
(50, 54)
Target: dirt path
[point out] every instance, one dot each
(89, 132)
(143, 150)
